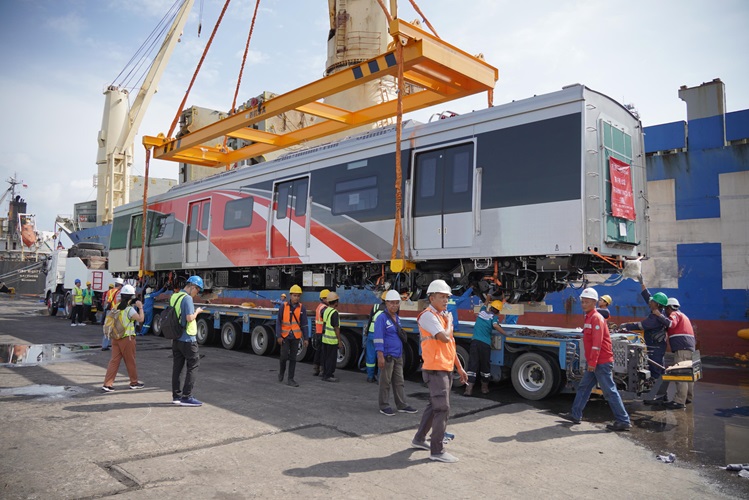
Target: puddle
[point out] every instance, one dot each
(43, 391)
(41, 354)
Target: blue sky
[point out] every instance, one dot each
(59, 55)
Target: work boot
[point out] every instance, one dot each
(315, 370)
(469, 390)
(484, 387)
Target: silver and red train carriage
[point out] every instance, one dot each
(520, 192)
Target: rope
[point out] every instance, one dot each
(241, 68)
(200, 63)
(385, 10)
(426, 21)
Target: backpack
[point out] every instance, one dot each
(113, 327)
(171, 327)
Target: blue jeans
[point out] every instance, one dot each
(371, 356)
(601, 375)
(105, 342)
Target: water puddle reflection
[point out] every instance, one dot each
(41, 354)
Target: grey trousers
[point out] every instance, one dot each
(684, 390)
(438, 410)
(392, 374)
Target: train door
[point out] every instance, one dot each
(443, 198)
(290, 221)
(197, 237)
(134, 241)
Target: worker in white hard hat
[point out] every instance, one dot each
(599, 358)
(388, 339)
(682, 342)
(439, 355)
(148, 300)
(130, 310)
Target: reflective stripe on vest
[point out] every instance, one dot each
(318, 318)
(77, 295)
(126, 320)
(374, 318)
(437, 355)
(329, 336)
(290, 322)
(176, 303)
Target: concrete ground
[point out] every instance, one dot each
(254, 437)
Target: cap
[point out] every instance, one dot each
(672, 302)
(497, 304)
(607, 298)
(392, 295)
(660, 298)
(589, 293)
(149, 289)
(332, 297)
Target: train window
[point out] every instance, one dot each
(164, 226)
(355, 195)
(192, 228)
(238, 213)
(206, 216)
(428, 177)
(136, 231)
(300, 197)
(283, 200)
(461, 172)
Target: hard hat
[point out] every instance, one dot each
(111, 285)
(392, 295)
(607, 298)
(77, 281)
(128, 290)
(439, 286)
(324, 293)
(88, 283)
(497, 304)
(589, 293)
(283, 295)
(196, 280)
(332, 297)
(672, 302)
(660, 298)
(119, 281)
(295, 289)
(149, 290)
(384, 294)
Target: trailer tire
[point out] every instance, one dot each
(156, 323)
(231, 336)
(349, 352)
(409, 358)
(462, 355)
(68, 305)
(533, 376)
(559, 377)
(303, 351)
(205, 334)
(51, 305)
(262, 340)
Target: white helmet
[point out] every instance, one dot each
(392, 295)
(439, 286)
(672, 302)
(119, 281)
(589, 293)
(128, 290)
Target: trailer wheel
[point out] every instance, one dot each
(409, 358)
(262, 340)
(303, 351)
(68, 305)
(462, 354)
(205, 334)
(533, 376)
(348, 351)
(231, 336)
(51, 305)
(156, 323)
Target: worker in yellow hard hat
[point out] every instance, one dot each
(603, 306)
(317, 337)
(291, 328)
(88, 301)
(487, 323)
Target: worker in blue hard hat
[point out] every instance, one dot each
(185, 348)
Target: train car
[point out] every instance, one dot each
(520, 193)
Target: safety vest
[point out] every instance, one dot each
(88, 297)
(376, 311)
(437, 355)
(116, 297)
(290, 322)
(318, 318)
(192, 326)
(127, 321)
(109, 297)
(329, 336)
(77, 295)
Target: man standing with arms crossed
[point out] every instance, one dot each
(438, 353)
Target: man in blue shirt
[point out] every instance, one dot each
(185, 348)
(481, 346)
(148, 299)
(389, 348)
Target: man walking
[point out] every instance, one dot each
(76, 317)
(319, 328)
(185, 348)
(113, 299)
(331, 338)
(386, 339)
(438, 353)
(291, 328)
(599, 357)
(682, 342)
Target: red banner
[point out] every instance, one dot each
(622, 199)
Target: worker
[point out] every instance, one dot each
(331, 338)
(654, 328)
(603, 306)
(682, 343)
(280, 301)
(369, 347)
(185, 353)
(88, 301)
(486, 323)
(131, 310)
(439, 355)
(599, 357)
(319, 327)
(113, 299)
(76, 316)
(106, 302)
(148, 300)
(291, 328)
(387, 338)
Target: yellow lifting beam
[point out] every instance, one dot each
(443, 72)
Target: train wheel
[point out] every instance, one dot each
(462, 354)
(205, 333)
(231, 335)
(533, 376)
(262, 340)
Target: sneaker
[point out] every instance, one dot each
(444, 457)
(659, 400)
(73, 324)
(105, 348)
(330, 379)
(371, 380)
(448, 437)
(190, 401)
(619, 427)
(139, 385)
(422, 445)
(292, 383)
(107, 388)
(176, 401)
(569, 417)
(408, 409)
(673, 405)
(388, 412)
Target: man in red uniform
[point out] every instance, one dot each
(680, 337)
(600, 360)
